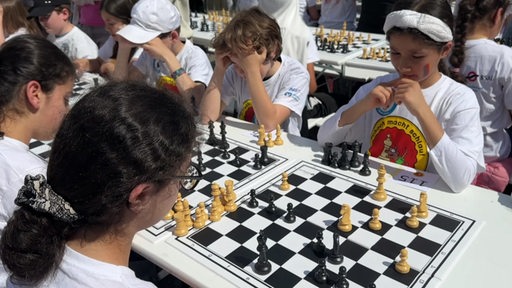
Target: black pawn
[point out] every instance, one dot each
(257, 164)
(335, 256)
(290, 216)
(342, 278)
(343, 162)
(263, 267)
(321, 272)
(354, 161)
(212, 140)
(253, 203)
(264, 161)
(333, 160)
(225, 154)
(236, 162)
(200, 161)
(319, 246)
(327, 153)
(271, 208)
(365, 171)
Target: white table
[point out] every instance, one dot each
(485, 263)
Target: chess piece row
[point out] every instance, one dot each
(223, 201)
(421, 211)
(376, 54)
(265, 139)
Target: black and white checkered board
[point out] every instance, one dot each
(219, 170)
(41, 149)
(229, 246)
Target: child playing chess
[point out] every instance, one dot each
(486, 67)
(75, 229)
(267, 87)
(417, 116)
(34, 94)
(167, 61)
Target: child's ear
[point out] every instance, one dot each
(447, 48)
(497, 18)
(175, 35)
(140, 197)
(33, 93)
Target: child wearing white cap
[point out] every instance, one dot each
(167, 61)
(417, 117)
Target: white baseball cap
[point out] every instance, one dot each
(150, 18)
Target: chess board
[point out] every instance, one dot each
(219, 170)
(368, 66)
(229, 247)
(40, 148)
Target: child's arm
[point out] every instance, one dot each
(186, 86)
(267, 113)
(211, 104)
(2, 36)
(123, 69)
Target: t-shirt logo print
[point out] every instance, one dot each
(398, 140)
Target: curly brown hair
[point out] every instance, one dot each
(250, 30)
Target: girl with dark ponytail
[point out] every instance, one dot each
(115, 168)
(486, 67)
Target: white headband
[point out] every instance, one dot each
(431, 26)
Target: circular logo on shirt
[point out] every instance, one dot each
(398, 140)
(247, 112)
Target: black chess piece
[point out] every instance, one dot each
(257, 164)
(253, 202)
(271, 208)
(200, 161)
(365, 171)
(343, 162)
(264, 161)
(335, 256)
(342, 278)
(225, 154)
(290, 216)
(321, 272)
(354, 161)
(204, 25)
(345, 48)
(333, 160)
(212, 139)
(223, 141)
(236, 162)
(332, 48)
(319, 246)
(262, 241)
(263, 266)
(327, 153)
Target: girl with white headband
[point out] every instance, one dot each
(418, 116)
(486, 67)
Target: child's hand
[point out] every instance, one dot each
(81, 66)
(382, 95)
(157, 49)
(123, 43)
(252, 61)
(408, 92)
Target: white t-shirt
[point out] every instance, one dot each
(335, 12)
(487, 68)
(289, 87)
(20, 31)
(107, 49)
(396, 135)
(191, 57)
(76, 44)
(16, 161)
(77, 270)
